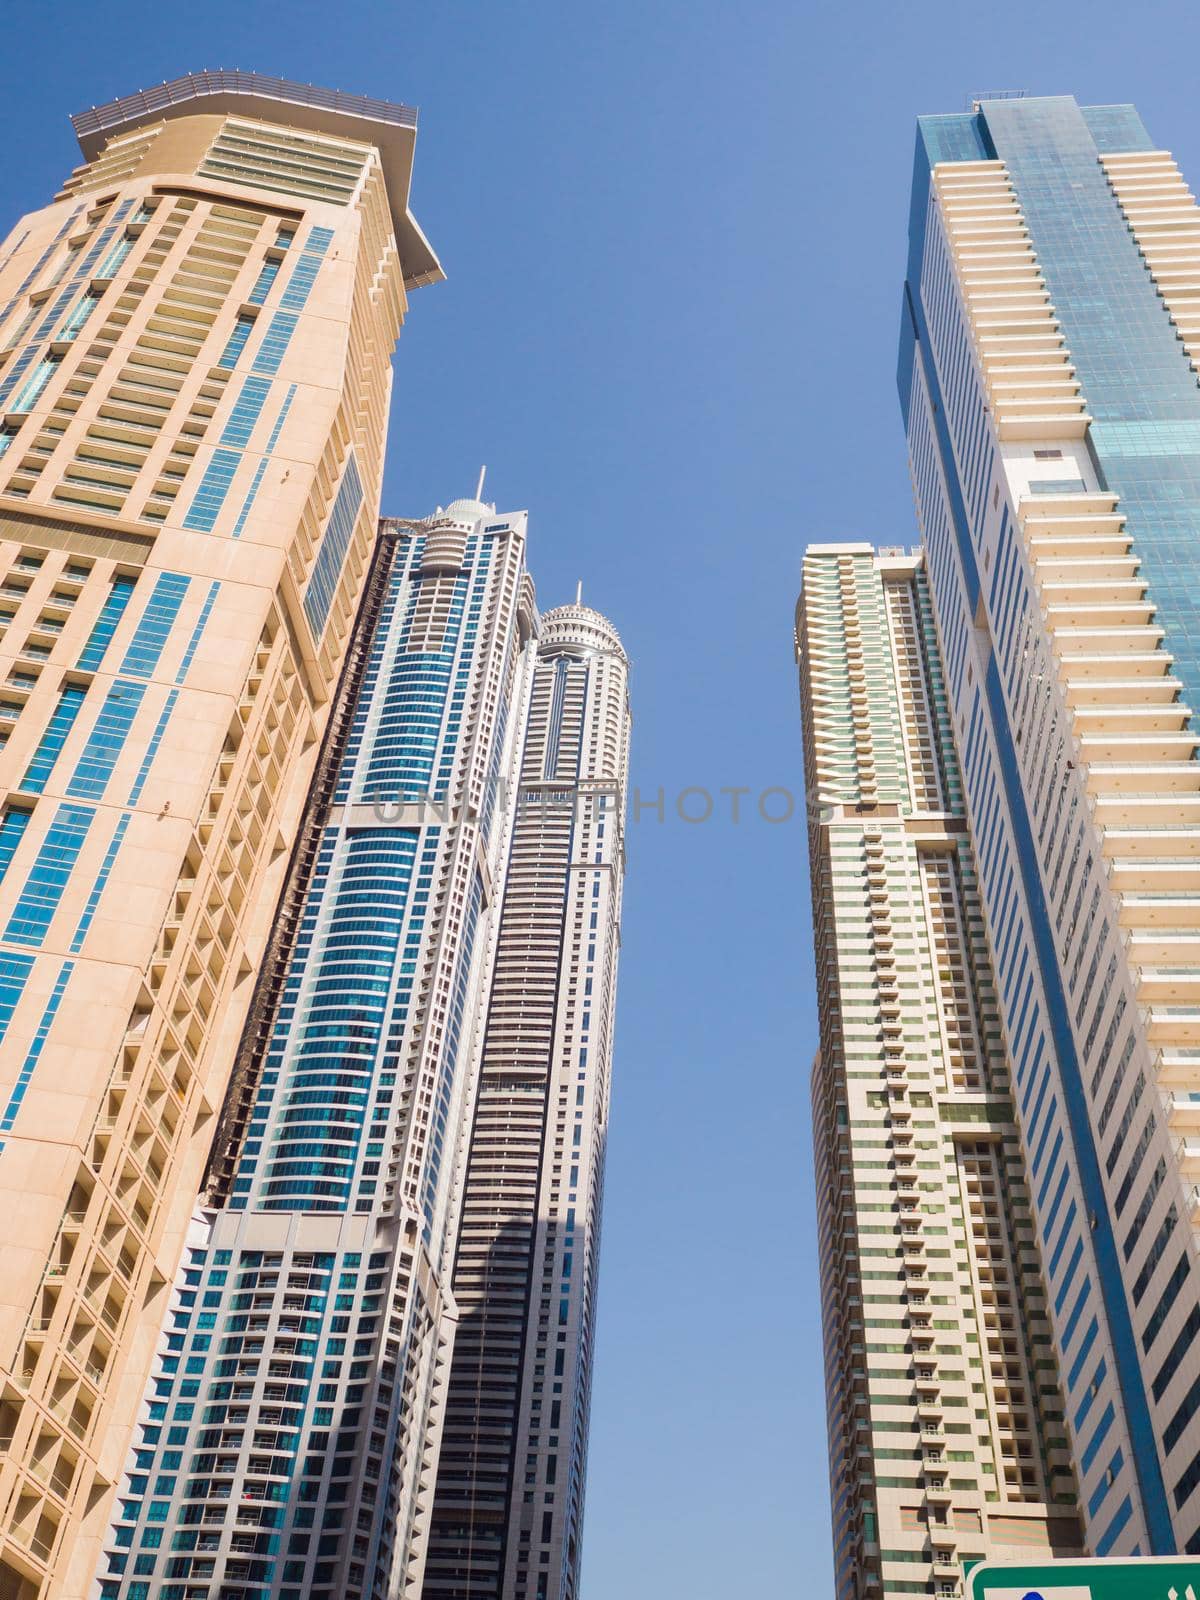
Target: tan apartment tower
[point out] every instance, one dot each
(946, 1433)
(194, 380)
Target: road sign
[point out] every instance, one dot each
(1143, 1578)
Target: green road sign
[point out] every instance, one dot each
(1143, 1578)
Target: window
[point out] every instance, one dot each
(13, 823)
(262, 287)
(34, 384)
(48, 876)
(106, 624)
(106, 740)
(327, 570)
(50, 745)
(237, 342)
(1057, 486)
(157, 620)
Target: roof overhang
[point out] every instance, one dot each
(391, 128)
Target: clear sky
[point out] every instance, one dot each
(674, 233)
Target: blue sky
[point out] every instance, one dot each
(674, 234)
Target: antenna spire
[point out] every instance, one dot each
(579, 593)
(479, 489)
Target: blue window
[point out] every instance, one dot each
(1097, 1439)
(139, 783)
(303, 277)
(316, 1146)
(114, 258)
(93, 900)
(194, 642)
(157, 621)
(49, 874)
(260, 473)
(237, 342)
(78, 315)
(13, 972)
(12, 826)
(268, 272)
(323, 584)
(50, 745)
(35, 383)
(214, 486)
(260, 470)
(318, 241)
(37, 1044)
(106, 625)
(1123, 1514)
(275, 342)
(106, 741)
(246, 412)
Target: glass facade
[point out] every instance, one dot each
(1139, 384)
(280, 1450)
(1035, 330)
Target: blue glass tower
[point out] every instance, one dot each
(287, 1443)
(1049, 388)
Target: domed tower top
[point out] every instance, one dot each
(468, 511)
(578, 627)
(449, 527)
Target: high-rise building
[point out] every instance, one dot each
(196, 336)
(443, 962)
(509, 1506)
(945, 1414)
(1048, 378)
(292, 1419)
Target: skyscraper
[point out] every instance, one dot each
(289, 1441)
(288, 1434)
(945, 1421)
(509, 1507)
(1049, 389)
(196, 339)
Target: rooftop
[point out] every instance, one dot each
(391, 128)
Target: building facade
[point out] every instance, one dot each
(1048, 382)
(945, 1414)
(296, 1404)
(508, 1512)
(196, 338)
(336, 1345)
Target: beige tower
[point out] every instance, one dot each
(946, 1431)
(194, 383)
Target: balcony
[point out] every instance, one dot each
(1173, 1025)
(1171, 986)
(1177, 1067)
(1152, 871)
(1183, 1115)
(1096, 605)
(1119, 696)
(1119, 743)
(1159, 910)
(1116, 763)
(1140, 812)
